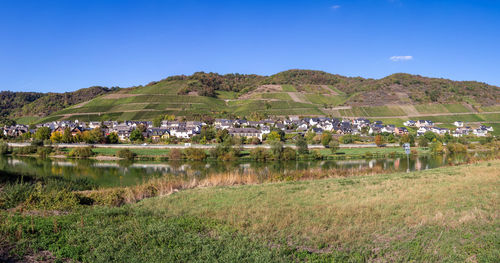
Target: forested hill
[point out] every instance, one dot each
(17, 104)
(367, 92)
(291, 92)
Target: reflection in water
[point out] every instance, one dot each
(125, 173)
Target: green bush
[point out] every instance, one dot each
(12, 195)
(259, 154)
(288, 154)
(456, 148)
(195, 154)
(81, 152)
(126, 154)
(4, 148)
(51, 200)
(26, 150)
(37, 142)
(175, 154)
(301, 145)
(316, 155)
(43, 152)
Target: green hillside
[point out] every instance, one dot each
(27, 107)
(292, 92)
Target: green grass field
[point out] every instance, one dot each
(448, 214)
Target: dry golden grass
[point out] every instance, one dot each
(171, 184)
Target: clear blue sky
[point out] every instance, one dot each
(68, 45)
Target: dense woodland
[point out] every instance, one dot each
(365, 91)
(17, 104)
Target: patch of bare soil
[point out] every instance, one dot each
(262, 89)
(43, 256)
(297, 97)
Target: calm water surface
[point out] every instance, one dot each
(109, 174)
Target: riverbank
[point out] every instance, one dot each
(162, 154)
(443, 214)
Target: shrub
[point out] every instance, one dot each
(175, 154)
(26, 150)
(334, 146)
(379, 140)
(53, 200)
(37, 142)
(456, 148)
(4, 148)
(288, 154)
(136, 135)
(126, 154)
(14, 194)
(437, 147)
(112, 138)
(326, 137)
(195, 154)
(423, 142)
(316, 155)
(259, 154)
(301, 145)
(81, 152)
(43, 152)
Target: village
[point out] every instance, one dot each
(244, 128)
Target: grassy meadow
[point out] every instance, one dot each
(447, 214)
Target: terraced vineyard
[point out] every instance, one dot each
(294, 92)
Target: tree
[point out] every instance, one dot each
(56, 137)
(407, 138)
(301, 145)
(43, 133)
(273, 136)
(288, 154)
(66, 136)
(310, 136)
(379, 140)
(195, 154)
(277, 149)
(97, 135)
(136, 135)
(334, 146)
(222, 135)
(259, 154)
(437, 147)
(157, 121)
(423, 142)
(126, 154)
(430, 136)
(113, 138)
(169, 117)
(326, 137)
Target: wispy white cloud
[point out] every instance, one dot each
(334, 7)
(401, 58)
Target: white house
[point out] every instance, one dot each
(424, 123)
(181, 132)
(422, 130)
(459, 124)
(409, 123)
(480, 132)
